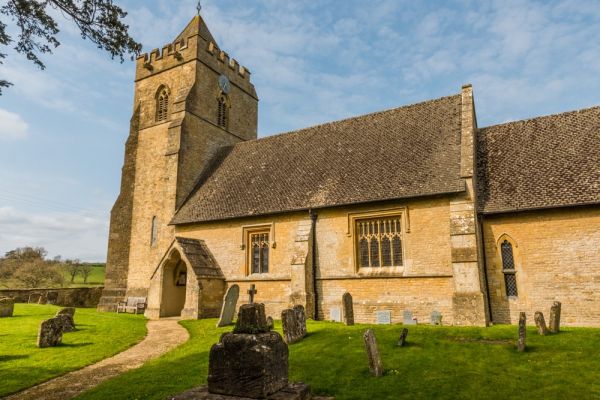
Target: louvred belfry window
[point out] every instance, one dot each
(222, 111)
(259, 252)
(162, 105)
(379, 242)
(508, 268)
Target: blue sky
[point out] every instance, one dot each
(62, 130)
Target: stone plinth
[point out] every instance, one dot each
(251, 319)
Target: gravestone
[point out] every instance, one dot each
(50, 333)
(229, 302)
(335, 314)
(67, 321)
(250, 362)
(348, 309)
(7, 307)
(384, 317)
(35, 298)
(375, 364)
(51, 297)
(270, 323)
(540, 323)
(436, 318)
(402, 339)
(293, 321)
(66, 310)
(555, 317)
(408, 319)
(522, 332)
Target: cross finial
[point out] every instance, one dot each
(199, 7)
(251, 292)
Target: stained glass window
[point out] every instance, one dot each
(379, 242)
(259, 252)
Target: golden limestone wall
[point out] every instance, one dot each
(423, 285)
(557, 257)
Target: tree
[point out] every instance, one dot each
(26, 253)
(86, 270)
(98, 20)
(72, 267)
(38, 273)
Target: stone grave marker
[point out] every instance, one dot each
(229, 302)
(402, 339)
(335, 314)
(293, 321)
(50, 333)
(384, 317)
(555, 317)
(68, 324)
(540, 323)
(35, 298)
(270, 322)
(348, 309)
(408, 319)
(51, 297)
(436, 318)
(522, 332)
(66, 310)
(375, 364)
(7, 307)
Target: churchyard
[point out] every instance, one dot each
(434, 362)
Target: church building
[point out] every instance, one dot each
(410, 209)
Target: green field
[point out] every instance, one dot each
(437, 363)
(98, 336)
(96, 277)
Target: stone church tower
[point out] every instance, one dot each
(191, 100)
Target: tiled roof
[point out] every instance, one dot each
(551, 161)
(200, 258)
(405, 152)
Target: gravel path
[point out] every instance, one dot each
(163, 335)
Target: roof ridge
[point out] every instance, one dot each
(356, 117)
(540, 117)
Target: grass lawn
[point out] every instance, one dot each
(98, 335)
(437, 363)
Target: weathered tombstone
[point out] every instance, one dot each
(35, 298)
(52, 297)
(375, 364)
(7, 307)
(50, 333)
(408, 318)
(402, 339)
(540, 323)
(384, 317)
(68, 324)
(436, 318)
(522, 332)
(348, 309)
(66, 310)
(555, 317)
(270, 323)
(335, 314)
(229, 302)
(293, 322)
(250, 362)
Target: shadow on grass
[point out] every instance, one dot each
(10, 358)
(76, 344)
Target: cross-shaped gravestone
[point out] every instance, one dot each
(251, 292)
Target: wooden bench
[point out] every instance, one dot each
(135, 304)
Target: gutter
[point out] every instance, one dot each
(485, 272)
(313, 220)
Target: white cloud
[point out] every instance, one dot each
(12, 125)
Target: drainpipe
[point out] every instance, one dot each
(313, 220)
(485, 273)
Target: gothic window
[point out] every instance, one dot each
(379, 242)
(162, 104)
(222, 111)
(153, 232)
(258, 246)
(508, 268)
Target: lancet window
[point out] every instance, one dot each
(508, 268)
(162, 105)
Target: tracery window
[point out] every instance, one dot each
(222, 111)
(153, 231)
(379, 242)
(162, 105)
(258, 249)
(508, 268)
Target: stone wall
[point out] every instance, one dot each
(557, 258)
(66, 297)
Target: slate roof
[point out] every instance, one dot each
(405, 152)
(551, 161)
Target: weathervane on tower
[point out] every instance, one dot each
(199, 7)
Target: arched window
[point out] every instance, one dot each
(222, 111)
(259, 251)
(162, 104)
(379, 242)
(153, 231)
(508, 268)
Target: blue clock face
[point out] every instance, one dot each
(224, 84)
